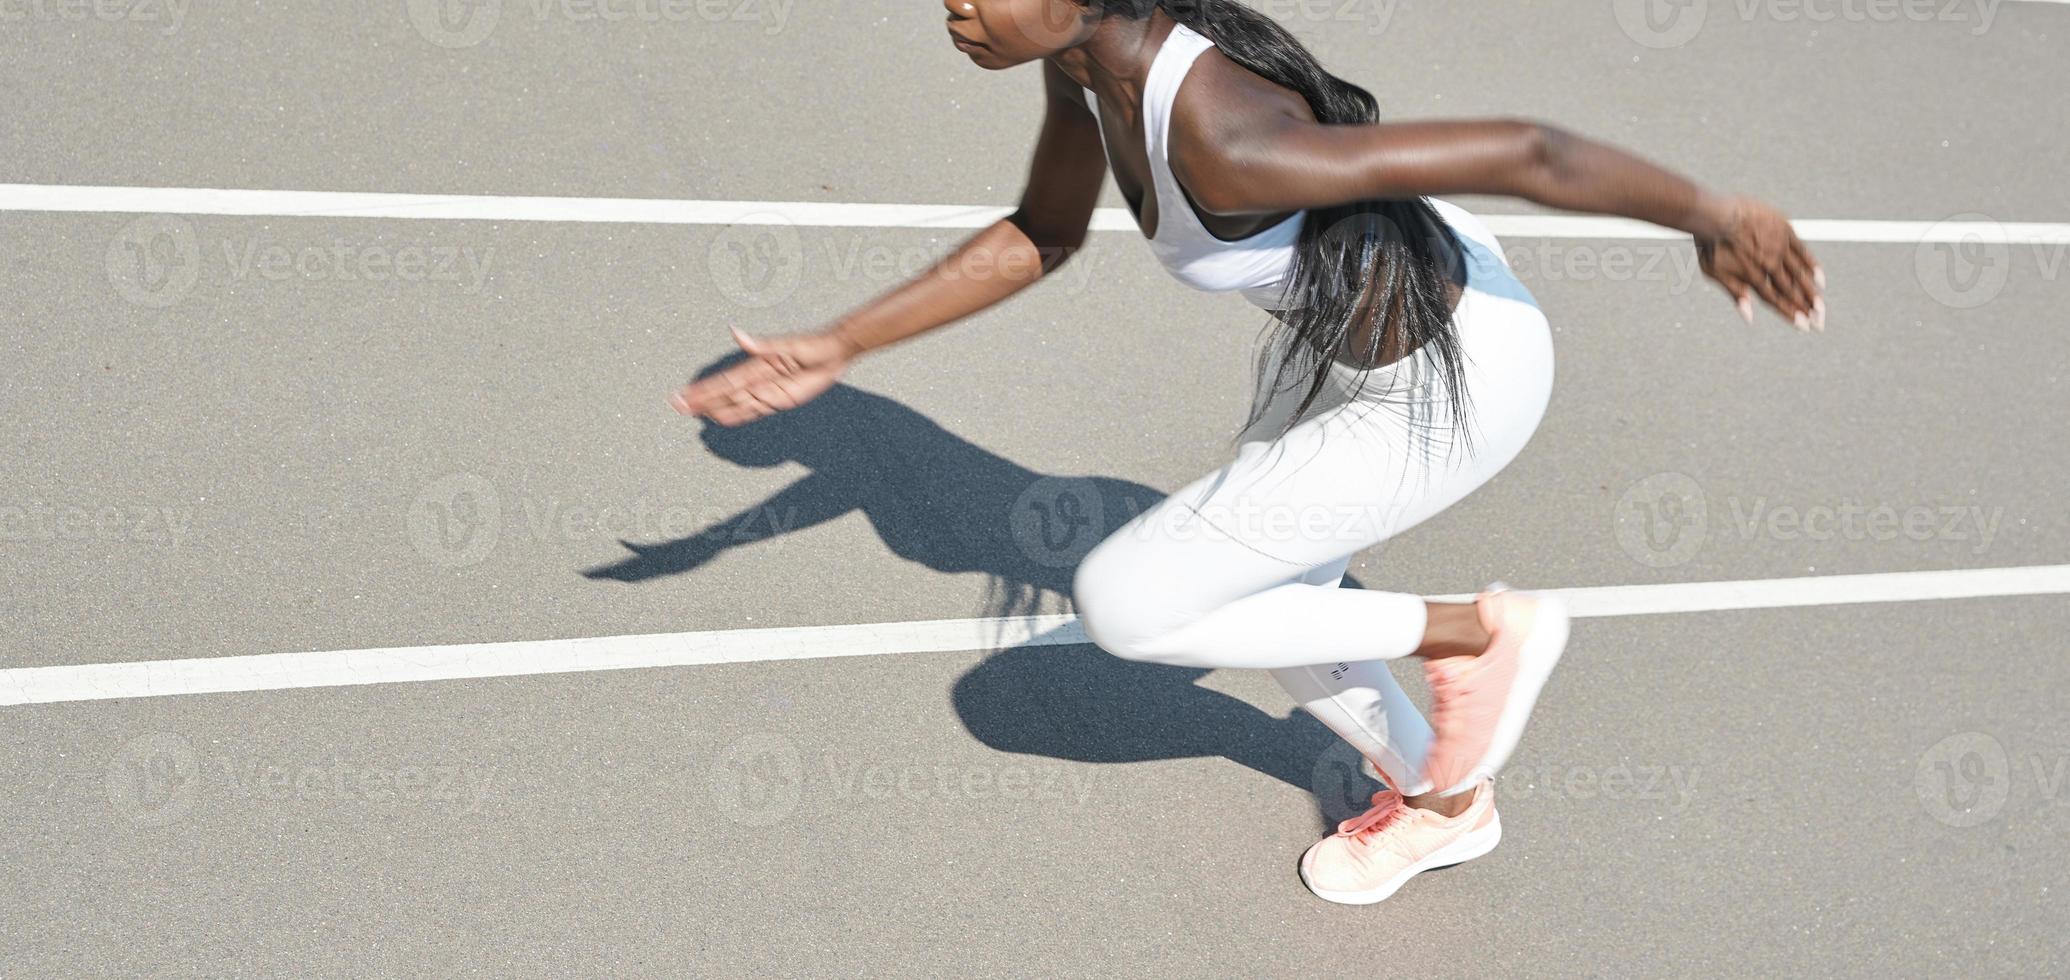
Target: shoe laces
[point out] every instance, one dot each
(1378, 824)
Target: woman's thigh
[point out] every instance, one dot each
(1373, 457)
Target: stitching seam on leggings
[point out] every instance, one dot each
(1233, 537)
(1385, 744)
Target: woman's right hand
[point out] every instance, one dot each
(780, 373)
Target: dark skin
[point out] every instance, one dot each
(1248, 153)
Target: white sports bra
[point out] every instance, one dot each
(1260, 265)
(1257, 265)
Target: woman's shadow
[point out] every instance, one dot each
(939, 500)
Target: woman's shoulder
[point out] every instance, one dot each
(1220, 88)
(1222, 106)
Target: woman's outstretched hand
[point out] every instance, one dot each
(780, 373)
(1757, 253)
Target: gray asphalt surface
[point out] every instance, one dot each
(1859, 790)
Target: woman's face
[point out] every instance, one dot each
(1003, 33)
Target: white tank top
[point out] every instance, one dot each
(1257, 265)
(1260, 265)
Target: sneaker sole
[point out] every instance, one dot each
(1535, 663)
(1472, 845)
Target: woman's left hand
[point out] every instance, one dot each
(1757, 253)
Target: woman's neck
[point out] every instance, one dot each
(1116, 60)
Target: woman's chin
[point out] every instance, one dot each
(985, 58)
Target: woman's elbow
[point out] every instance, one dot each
(1541, 146)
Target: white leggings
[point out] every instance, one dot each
(1241, 568)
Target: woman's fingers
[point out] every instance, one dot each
(756, 398)
(1742, 297)
(1795, 290)
(1815, 276)
(1724, 269)
(1794, 274)
(718, 389)
(1768, 277)
(1775, 294)
(742, 406)
(1763, 256)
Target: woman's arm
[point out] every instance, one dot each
(1050, 225)
(1272, 158)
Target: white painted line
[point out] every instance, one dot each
(1825, 590)
(396, 665)
(442, 207)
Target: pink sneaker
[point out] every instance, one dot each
(1480, 704)
(1371, 856)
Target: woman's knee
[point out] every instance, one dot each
(1115, 606)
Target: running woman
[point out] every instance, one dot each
(1408, 366)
